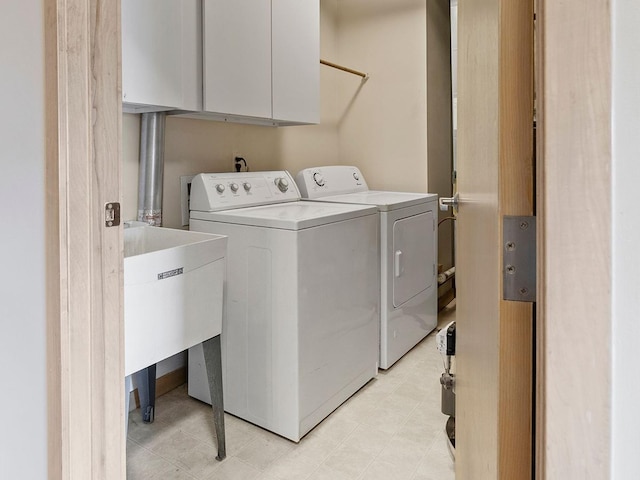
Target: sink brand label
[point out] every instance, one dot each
(171, 273)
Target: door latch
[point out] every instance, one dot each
(519, 258)
(449, 202)
(112, 214)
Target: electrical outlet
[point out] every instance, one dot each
(234, 167)
(240, 164)
(185, 195)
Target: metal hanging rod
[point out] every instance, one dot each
(365, 76)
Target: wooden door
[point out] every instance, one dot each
(494, 355)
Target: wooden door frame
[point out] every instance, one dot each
(85, 362)
(517, 197)
(84, 259)
(574, 239)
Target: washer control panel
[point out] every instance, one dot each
(211, 192)
(333, 180)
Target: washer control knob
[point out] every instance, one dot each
(220, 188)
(356, 176)
(247, 186)
(234, 187)
(318, 178)
(282, 184)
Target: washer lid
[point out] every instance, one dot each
(385, 201)
(288, 216)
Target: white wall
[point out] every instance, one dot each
(626, 241)
(383, 127)
(23, 431)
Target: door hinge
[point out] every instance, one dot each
(112, 214)
(519, 258)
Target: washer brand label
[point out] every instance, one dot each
(171, 273)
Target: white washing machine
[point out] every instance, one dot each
(408, 253)
(300, 329)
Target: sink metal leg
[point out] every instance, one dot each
(146, 380)
(128, 387)
(213, 362)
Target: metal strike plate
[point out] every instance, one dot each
(112, 214)
(519, 258)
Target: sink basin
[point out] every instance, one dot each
(173, 282)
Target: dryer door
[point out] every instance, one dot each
(413, 256)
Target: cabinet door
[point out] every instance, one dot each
(161, 55)
(237, 57)
(296, 60)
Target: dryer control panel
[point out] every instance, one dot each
(211, 192)
(333, 180)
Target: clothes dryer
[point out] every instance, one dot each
(300, 329)
(408, 253)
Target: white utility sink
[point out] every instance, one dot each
(173, 281)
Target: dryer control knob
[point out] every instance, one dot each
(220, 188)
(234, 187)
(319, 179)
(282, 184)
(247, 186)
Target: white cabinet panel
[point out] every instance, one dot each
(237, 57)
(161, 55)
(296, 60)
(251, 61)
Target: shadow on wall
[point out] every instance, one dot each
(351, 103)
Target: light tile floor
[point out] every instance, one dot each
(392, 429)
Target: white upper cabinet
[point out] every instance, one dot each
(248, 61)
(161, 55)
(237, 57)
(296, 60)
(261, 59)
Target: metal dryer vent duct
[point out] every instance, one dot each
(150, 178)
(151, 172)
